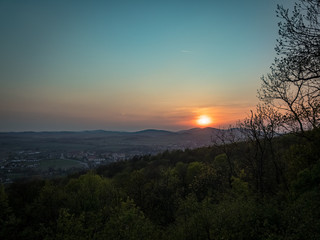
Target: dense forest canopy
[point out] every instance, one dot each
(219, 192)
(263, 186)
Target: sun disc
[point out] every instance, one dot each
(204, 120)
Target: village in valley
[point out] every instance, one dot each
(26, 164)
(56, 154)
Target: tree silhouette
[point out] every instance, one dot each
(293, 85)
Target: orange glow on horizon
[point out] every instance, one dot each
(215, 117)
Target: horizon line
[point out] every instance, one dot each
(104, 130)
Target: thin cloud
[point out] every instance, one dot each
(186, 51)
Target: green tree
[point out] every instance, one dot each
(90, 192)
(4, 206)
(181, 172)
(127, 222)
(162, 195)
(8, 222)
(262, 162)
(70, 227)
(194, 169)
(135, 187)
(222, 168)
(302, 214)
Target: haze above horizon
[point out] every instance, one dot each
(132, 65)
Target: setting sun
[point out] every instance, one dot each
(204, 120)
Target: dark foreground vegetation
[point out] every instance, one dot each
(218, 192)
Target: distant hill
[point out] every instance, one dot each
(146, 141)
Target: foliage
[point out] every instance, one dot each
(170, 196)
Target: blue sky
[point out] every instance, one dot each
(130, 65)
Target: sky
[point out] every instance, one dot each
(130, 65)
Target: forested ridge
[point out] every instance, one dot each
(191, 194)
(262, 184)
